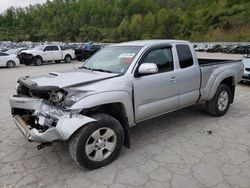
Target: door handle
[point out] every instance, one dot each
(173, 79)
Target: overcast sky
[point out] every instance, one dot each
(4, 4)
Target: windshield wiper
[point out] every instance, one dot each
(83, 67)
(101, 70)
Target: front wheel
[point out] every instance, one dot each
(219, 105)
(97, 144)
(38, 61)
(68, 59)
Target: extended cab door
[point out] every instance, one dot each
(156, 94)
(57, 53)
(188, 75)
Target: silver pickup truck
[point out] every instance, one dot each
(123, 84)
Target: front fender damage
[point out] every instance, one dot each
(54, 122)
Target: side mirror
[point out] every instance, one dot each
(148, 68)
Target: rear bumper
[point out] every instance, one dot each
(60, 124)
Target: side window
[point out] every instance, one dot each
(185, 55)
(48, 48)
(55, 48)
(162, 57)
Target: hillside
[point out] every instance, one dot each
(121, 20)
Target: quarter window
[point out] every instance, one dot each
(162, 58)
(55, 48)
(184, 55)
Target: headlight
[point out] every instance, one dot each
(57, 96)
(73, 96)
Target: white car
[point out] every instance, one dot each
(8, 60)
(46, 53)
(246, 62)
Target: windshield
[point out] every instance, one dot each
(114, 59)
(38, 47)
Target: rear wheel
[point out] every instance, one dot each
(219, 105)
(10, 64)
(68, 59)
(38, 61)
(98, 143)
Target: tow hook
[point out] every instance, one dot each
(42, 145)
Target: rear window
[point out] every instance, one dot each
(184, 55)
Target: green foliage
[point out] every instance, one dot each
(122, 20)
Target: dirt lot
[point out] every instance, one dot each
(183, 149)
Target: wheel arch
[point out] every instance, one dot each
(116, 110)
(227, 80)
(38, 56)
(66, 55)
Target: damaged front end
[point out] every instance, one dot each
(26, 58)
(40, 119)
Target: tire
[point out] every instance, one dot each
(38, 61)
(68, 59)
(219, 105)
(97, 155)
(10, 64)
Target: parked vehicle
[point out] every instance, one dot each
(15, 51)
(4, 50)
(47, 53)
(8, 60)
(86, 51)
(122, 85)
(246, 62)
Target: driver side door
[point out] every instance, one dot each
(156, 94)
(48, 53)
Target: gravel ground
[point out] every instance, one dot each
(183, 149)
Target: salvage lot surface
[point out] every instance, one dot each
(187, 148)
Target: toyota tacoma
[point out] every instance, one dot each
(94, 106)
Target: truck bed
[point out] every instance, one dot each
(208, 62)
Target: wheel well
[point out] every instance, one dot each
(11, 61)
(231, 84)
(38, 56)
(67, 56)
(116, 110)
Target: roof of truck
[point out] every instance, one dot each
(149, 42)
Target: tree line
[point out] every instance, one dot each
(123, 20)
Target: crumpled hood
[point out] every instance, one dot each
(57, 80)
(29, 51)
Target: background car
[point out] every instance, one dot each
(8, 60)
(246, 62)
(15, 51)
(86, 51)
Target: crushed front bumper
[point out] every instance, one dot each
(26, 58)
(60, 124)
